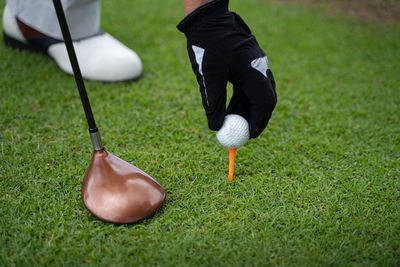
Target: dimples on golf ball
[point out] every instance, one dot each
(234, 132)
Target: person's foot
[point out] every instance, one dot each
(101, 57)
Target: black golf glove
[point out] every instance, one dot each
(221, 48)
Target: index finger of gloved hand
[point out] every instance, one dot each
(215, 105)
(255, 80)
(215, 96)
(212, 76)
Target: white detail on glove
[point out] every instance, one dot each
(199, 54)
(261, 64)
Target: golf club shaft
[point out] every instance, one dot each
(93, 130)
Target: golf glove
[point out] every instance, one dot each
(222, 48)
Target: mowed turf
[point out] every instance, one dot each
(320, 186)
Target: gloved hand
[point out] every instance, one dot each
(221, 48)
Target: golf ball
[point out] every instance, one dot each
(234, 132)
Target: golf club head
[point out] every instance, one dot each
(118, 192)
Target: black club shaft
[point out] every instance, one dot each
(75, 66)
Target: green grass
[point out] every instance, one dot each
(320, 186)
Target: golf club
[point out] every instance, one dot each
(113, 190)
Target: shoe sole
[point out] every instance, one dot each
(16, 44)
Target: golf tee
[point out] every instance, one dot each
(231, 162)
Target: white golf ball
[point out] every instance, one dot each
(234, 132)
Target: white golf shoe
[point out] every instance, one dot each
(101, 57)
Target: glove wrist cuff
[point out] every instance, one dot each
(201, 13)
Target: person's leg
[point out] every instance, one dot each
(33, 25)
(83, 16)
